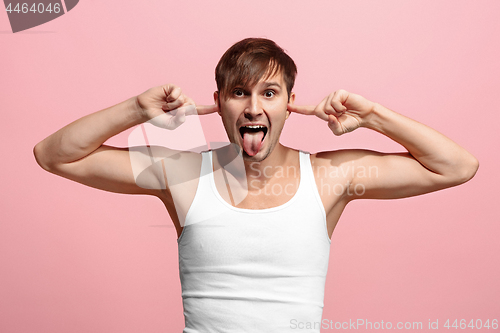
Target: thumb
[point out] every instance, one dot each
(174, 119)
(334, 125)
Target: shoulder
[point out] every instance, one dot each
(182, 166)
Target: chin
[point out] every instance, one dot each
(259, 157)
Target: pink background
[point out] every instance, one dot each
(76, 259)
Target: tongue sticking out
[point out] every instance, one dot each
(252, 142)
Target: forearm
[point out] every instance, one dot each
(85, 135)
(432, 149)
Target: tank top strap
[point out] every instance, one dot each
(204, 193)
(204, 184)
(308, 182)
(306, 170)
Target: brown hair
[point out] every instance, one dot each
(247, 61)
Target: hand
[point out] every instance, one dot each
(166, 106)
(344, 111)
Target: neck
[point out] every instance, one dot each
(239, 177)
(266, 168)
(230, 158)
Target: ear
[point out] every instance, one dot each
(291, 100)
(216, 100)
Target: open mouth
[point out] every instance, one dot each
(253, 129)
(253, 137)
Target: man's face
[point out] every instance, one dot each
(254, 117)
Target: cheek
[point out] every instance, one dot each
(228, 112)
(229, 122)
(225, 113)
(280, 115)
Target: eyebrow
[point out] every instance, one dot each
(266, 85)
(269, 84)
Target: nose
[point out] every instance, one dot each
(254, 107)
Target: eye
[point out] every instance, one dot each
(269, 93)
(238, 92)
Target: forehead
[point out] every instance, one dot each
(268, 79)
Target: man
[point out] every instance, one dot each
(254, 218)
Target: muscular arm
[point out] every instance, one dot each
(433, 161)
(77, 152)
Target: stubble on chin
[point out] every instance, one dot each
(253, 159)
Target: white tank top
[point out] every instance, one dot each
(245, 270)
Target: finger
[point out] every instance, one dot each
(187, 109)
(338, 100)
(307, 110)
(321, 111)
(334, 125)
(167, 88)
(172, 96)
(172, 92)
(328, 109)
(173, 105)
(206, 109)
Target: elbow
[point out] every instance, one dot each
(40, 157)
(471, 169)
(467, 170)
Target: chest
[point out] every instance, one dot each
(257, 192)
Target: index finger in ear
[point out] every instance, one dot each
(206, 109)
(307, 110)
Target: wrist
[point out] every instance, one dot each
(136, 113)
(376, 117)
